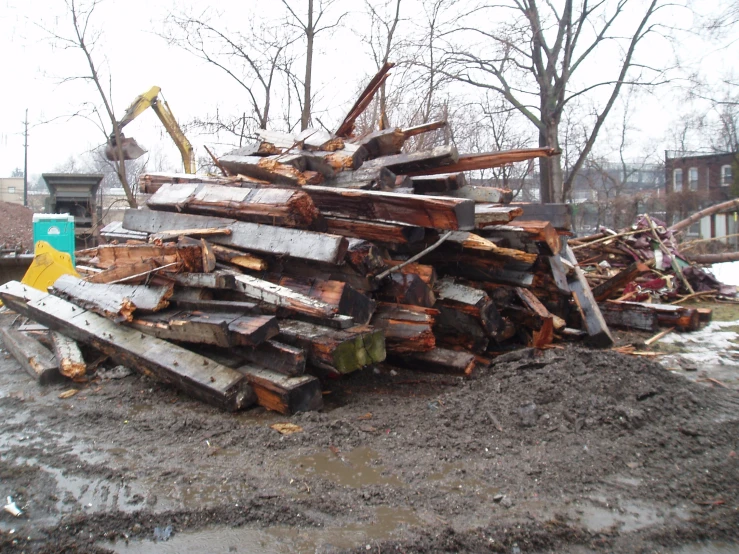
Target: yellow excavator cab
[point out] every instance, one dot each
(47, 266)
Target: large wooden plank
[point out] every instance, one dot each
(407, 328)
(392, 233)
(184, 258)
(617, 315)
(68, 356)
(344, 299)
(215, 328)
(471, 301)
(274, 169)
(283, 394)
(117, 302)
(423, 211)
(383, 143)
(276, 356)
(593, 322)
(283, 297)
(168, 363)
(379, 178)
(438, 360)
(272, 205)
(493, 214)
(685, 319)
(254, 237)
(530, 236)
(335, 350)
(559, 215)
(488, 160)
(418, 163)
(443, 184)
(482, 195)
(32, 356)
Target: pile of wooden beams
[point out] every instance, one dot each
(318, 254)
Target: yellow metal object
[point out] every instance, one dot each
(47, 266)
(151, 99)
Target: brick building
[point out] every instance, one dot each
(696, 180)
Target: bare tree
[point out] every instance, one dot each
(309, 24)
(252, 59)
(85, 37)
(540, 61)
(384, 20)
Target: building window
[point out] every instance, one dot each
(727, 176)
(693, 178)
(677, 180)
(11, 190)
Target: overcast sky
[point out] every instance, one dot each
(34, 68)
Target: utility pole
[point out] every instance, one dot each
(25, 162)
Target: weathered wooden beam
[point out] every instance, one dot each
(559, 215)
(606, 289)
(214, 280)
(595, 325)
(274, 169)
(32, 356)
(347, 126)
(483, 195)
(685, 319)
(365, 257)
(342, 297)
(382, 143)
(631, 317)
(195, 233)
(424, 128)
(471, 162)
(529, 236)
(288, 207)
(131, 274)
(335, 350)
(191, 373)
(493, 214)
(254, 237)
(283, 394)
(276, 356)
(407, 328)
(375, 231)
(187, 258)
(406, 288)
(543, 330)
(368, 179)
(68, 356)
(418, 163)
(233, 256)
(117, 302)
(423, 211)
(438, 360)
(216, 328)
(427, 273)
(471, 301)
(283, 297)
(442, 184)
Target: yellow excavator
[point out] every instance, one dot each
(131, 150)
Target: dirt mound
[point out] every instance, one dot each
(16, 226)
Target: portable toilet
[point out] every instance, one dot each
(57, 230)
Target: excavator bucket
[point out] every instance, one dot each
(131, 150)
(48, 265)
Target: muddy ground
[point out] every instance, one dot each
(566, 450)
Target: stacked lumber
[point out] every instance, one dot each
(316, 255)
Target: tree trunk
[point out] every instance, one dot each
(309, 34)
(550, 168)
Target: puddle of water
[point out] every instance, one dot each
(357, 468)
(92, 494)
(629, 517)
(450, 479)
(276, 540)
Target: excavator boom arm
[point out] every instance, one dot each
(151, 99)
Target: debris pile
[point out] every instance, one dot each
(639, 276)
(314, 255)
